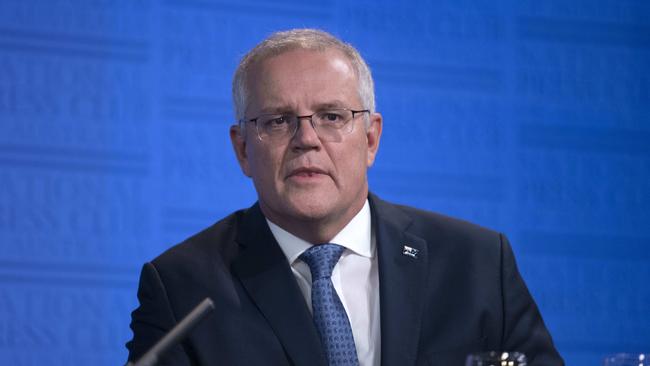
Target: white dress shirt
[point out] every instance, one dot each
(355, 278)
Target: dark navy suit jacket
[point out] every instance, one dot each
(462, 293)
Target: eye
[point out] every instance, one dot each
(280, 120)
(330, 117)
(275, 121)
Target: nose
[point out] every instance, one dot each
(305, 136)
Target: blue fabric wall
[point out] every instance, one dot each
(530, 117)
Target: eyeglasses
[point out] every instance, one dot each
(329, 124)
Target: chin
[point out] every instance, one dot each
(311, 211)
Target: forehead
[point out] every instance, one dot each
(302, 79)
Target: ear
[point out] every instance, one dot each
(373, 134)
(238, 141)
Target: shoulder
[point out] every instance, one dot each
(449, 226)
(214, 246)
(438, 229)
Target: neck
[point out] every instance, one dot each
(315, 230)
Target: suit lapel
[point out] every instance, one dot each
(266, 275)
(400, 283)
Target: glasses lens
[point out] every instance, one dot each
(332, 119)
(332, 124)
(275, 126)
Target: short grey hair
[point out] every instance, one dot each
(307, 39)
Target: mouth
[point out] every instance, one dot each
(306, 173)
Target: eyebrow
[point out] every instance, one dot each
(277, 110)
(332, 104)
(286, 109)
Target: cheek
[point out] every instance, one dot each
(264, 163)
(353, 164)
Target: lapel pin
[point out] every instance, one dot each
(410, 252)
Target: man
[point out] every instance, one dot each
(320, 271)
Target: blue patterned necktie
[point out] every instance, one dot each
(329, 315)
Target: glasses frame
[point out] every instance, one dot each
(354, 112)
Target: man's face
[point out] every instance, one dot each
(303, 179)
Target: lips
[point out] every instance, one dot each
(306, 172)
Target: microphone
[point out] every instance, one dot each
(176, 334)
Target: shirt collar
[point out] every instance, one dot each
(355, 236)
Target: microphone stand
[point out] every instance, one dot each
(176, 334)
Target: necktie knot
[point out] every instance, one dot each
(322, 259)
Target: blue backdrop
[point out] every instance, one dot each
(530, 117)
